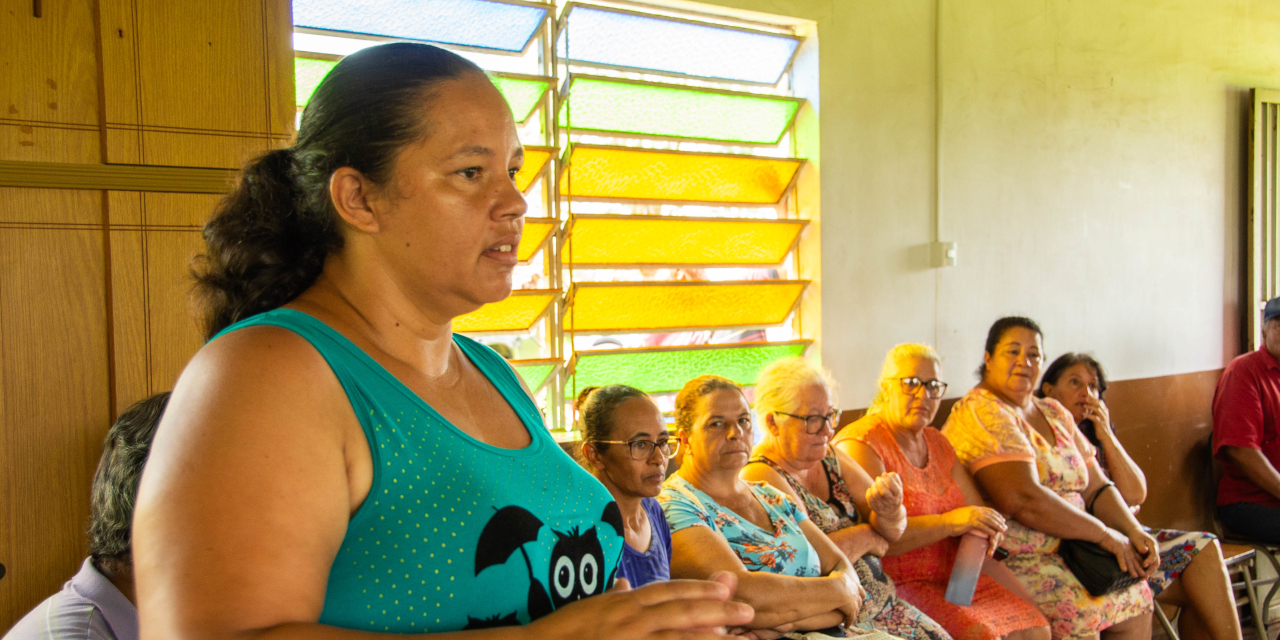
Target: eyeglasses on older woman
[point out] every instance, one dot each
(817, 422)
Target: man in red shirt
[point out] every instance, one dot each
(1246, 408)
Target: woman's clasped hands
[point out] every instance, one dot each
(675, 610)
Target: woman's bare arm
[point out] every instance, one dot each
(251, 480)
(854, 542)
(924, 530)
(1126, 473)
(889, 524)
(1014, 488)
(698, 552)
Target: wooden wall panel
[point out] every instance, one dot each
(53, 359)
(154, 237)
(50, 70)
(49, 143)
(179, 209)
(195, 84)
(130, 356)
(174, 332)
(1165, 424)
(50, 206)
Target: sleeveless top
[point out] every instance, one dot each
(455, 533)
(925, 491)
(830, 515)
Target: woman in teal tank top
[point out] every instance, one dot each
(336, 460)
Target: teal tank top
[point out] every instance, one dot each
(457, 534)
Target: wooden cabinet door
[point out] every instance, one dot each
(48, 82)
(154, 237)
(54, 387)
(196, 84)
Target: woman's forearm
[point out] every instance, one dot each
(1126, 473)
(922, 531)
(820, 621)
(1046, 511)
(312, 631)
(859, 540)
(1109, 508)
(780, 600)
(890, 527)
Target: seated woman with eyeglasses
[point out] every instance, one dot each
(626, 446)
(794, 577)
(796, 402)
(941, 500)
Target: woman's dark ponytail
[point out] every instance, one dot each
(264, 247)
(268, 240)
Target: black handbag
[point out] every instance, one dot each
(1095, 567)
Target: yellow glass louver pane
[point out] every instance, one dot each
(655, 306)
(625, 173)
(534, 159)
(535, 235)
(625, 240)
(516, 313)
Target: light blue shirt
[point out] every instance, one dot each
(89, 607)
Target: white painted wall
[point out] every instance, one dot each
(1092, 173)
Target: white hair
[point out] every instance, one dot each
(891, 360)
(779, 383)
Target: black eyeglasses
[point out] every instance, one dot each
(817, 422)
(643, 449)
(932, 388)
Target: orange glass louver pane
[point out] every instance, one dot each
(535, 235)
(517, 312)
(634, 240)
(626, 173)
(534, 159)
(656, 306)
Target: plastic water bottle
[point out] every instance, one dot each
(968, 566)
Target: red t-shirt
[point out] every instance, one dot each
(1246, 406)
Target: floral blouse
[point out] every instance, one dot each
(985, 431)
(784, 550)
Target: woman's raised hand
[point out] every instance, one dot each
(885, 494)
(1096, 410)
(683, 609)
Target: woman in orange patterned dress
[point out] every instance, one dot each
(941, 500)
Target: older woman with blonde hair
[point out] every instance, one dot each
(796, 403)
(941, 500)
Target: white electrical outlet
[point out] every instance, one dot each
(943, 254)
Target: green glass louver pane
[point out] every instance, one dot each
(665, 370)
(521, 93)
(307, 74)
(672, 111)
(534, 375)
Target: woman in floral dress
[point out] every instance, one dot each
(1192, 574)
(787, 570)
(796, 403)
(1033, 465)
